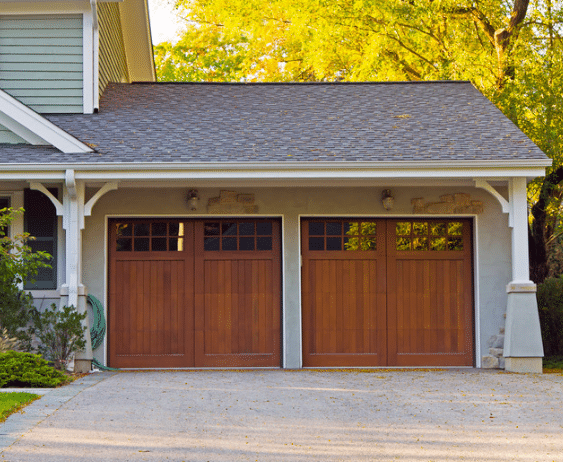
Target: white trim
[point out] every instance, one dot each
(88, 62)
(21, 131)
(104, 189)
(58, 205)
(483, 184)
(39, 126)
(476, 298)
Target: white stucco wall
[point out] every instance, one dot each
(491, 235)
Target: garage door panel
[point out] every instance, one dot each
(238, 296)
(430, 293)
(149, 325)
(343, 293)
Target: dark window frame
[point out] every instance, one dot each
(46, 279)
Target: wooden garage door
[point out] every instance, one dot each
(387, 292)
(199, 293)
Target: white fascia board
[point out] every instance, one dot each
(38, 130)
(269, 171)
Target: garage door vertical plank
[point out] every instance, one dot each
(366, 325)
(333, 322)
(220, 316)
(242, 315)
(133, 308)
(176, 272)
(317, 306)
(447, 306)
(227, 303)
(254, 272)
(460, 307)
(440, 315)
(140, 308)
(168, 308)
(325, 310)
(339, 290)
(261, 302)
(428, 327)
(234, 301)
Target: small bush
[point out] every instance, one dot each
(60, 333)
(18, 369)
(550, 306)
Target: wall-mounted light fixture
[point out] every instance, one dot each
(192, 199)
(387, 199)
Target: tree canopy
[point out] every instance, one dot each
(511, 50)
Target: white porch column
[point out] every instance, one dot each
(523, 349)
(73, 291)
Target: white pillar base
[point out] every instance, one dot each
(524, 365)
(523, 348)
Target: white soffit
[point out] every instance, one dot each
(35, 129)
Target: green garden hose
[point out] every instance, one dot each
(98, 329)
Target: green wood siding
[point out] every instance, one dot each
(112, 61)
(41, 61)
(9, 137)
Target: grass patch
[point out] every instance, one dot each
(553, 364)
(13, 402)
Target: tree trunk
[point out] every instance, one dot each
(538, 235)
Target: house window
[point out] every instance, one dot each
(40, 221)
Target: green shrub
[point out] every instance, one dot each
(550, 306)
(60, 333)
(18, 369)
(18, 263)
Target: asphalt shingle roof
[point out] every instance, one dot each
(346, 122)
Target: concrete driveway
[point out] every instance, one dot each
(276, 415)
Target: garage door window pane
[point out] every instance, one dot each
(455, 244)
(211, 229)
(142, 244)
(264, 229)
(246, 229)
(159, 244)
(211, 243)
(334, 229)
(438, 229)
(229, 229)
(142, 229)
(438, 243)
(124, 229)
(403, 229)
(455, 229)
(420, 229)
(246, 243)
(316, 243)
(333, 243)
(229, 243)
(264, 243)
(420, 243)
(403, 243)
(159, 229)
(124, 245)
(316, 228)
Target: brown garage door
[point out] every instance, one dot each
(387, 292)
(199, 293)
